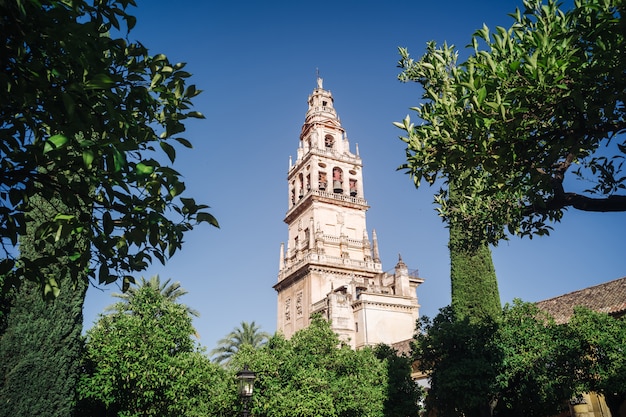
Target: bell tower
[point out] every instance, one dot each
(329, 265)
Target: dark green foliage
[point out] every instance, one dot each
(41, 347)
(461, 361)
(40, 353)
(523, 364)
(314, 375)
(474, 284)
(403, 394)
(604, 344)
(86, 118)
(5, 304)
(541, 362)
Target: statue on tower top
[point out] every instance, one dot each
(320, 80)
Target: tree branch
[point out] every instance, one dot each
(613, 203)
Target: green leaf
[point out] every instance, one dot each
(107, 223)
(482, 93)
(177, 188)
(100, 82)
(195, 114)
(206, 217)
(74, 257)
(51, 288)
(119, 160)
(54, 142)
(88, 158)
(184, 142)
(6, 265)
(64, 217)
(169, 150)
(143, 169)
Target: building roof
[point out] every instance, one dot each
(609, 297)
(403, 347)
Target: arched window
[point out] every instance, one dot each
(329, 141)
(323, 181)
(337, 180)
(353, 188)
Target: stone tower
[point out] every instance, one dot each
(330, 266)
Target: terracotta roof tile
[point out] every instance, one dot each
(403, 347)
(609, 297)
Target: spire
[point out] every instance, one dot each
(281, 261)
(375, 246)
(400, 263)
(311, 234)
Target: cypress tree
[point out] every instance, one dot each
(474, 284)
(40, 349)
(475, 309)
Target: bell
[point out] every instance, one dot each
(337, 187)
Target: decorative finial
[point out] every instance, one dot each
(376, 254)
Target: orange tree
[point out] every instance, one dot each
(85, 117)
(533, 104)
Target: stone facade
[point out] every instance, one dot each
(329, 265)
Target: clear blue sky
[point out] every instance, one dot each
(256, 62)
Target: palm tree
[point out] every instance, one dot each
(246, 334)
(170, 292)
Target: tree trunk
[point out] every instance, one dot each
(614, 402)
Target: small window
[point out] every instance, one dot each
(323, 182)
(353, 189)
(329, 141)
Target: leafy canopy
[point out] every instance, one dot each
(532, 103)
(141, 360)
(520, 364)
(88, 117)
(604, 340)
(314, 375)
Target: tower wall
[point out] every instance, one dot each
(329, 266)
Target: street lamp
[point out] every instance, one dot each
(246, 378)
